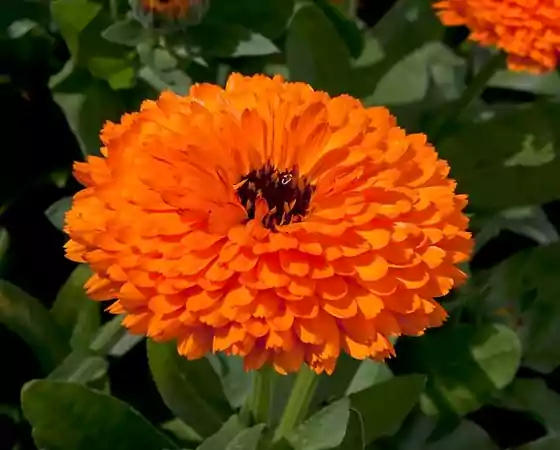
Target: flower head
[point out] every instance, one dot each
(270, 221)
(527, 30)
(187, 11)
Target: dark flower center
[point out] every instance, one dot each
(287, 194)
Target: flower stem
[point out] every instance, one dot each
(473, 90)
(114, 9)
(261, 395)
(298, 403)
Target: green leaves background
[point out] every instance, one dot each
(76, 380)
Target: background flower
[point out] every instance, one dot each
(527, 30)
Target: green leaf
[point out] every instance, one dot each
(56, 212)
(236, 381)
(335, 386)
(69, 416)
(507, 160)
(315, 53)
(162, 70)
(77, 315)
(86, 366)
(126, 32)
(83, 367)
(268, 18)
(173, 80)
(4, 247)
(219, 440)
(191, 389)
(368, 374)
(526, 286)
(384, 406)
(533, 395)
(248, 439)
(87, 324)
(545, 443)
(87, 103)
(72, 17)
(467, 436)
(255, 45)
(530, 221)
(354, 439)
(229, 41)
(181, 432)
(25, 316)
(351, 375)
(542, 84)
(347, 28)
(324, 430)
(407, 26)
(81, 23)
(478, 362)
(427, 74)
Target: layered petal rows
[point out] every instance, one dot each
(163, 227)
(527, 30)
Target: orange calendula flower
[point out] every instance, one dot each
(187, 10)
(270, 221)
(527, 30)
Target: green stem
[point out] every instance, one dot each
(114, 9)
(473, 90)
(298, 403)
(262, 395)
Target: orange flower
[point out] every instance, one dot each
(527, 30)
(269, 221)
(176, 9)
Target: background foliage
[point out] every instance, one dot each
(72, 379)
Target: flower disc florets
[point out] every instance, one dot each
(270, 221)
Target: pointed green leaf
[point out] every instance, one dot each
(354, 439)
(81, 23)
(24, 315)
(533, 395)
(268, 18)
(181, 432)
(547, 84)
(545, 443)
(406, 27)
(191, 389)
(323, 430)
(248, 439)
(81, 366)
(69, 416)
(87, 108)
(86, 366)
(77, 315)
(237, 382)
(56, 212)
(467, 436)
(315, 53)
(369, 373)
(526, 285)
(126, 32)
(255, 45)
(478, 362)
(4, 246)
(384, 406)
(72, 17)
(219, 440)
(508, 159)
(346, 27)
